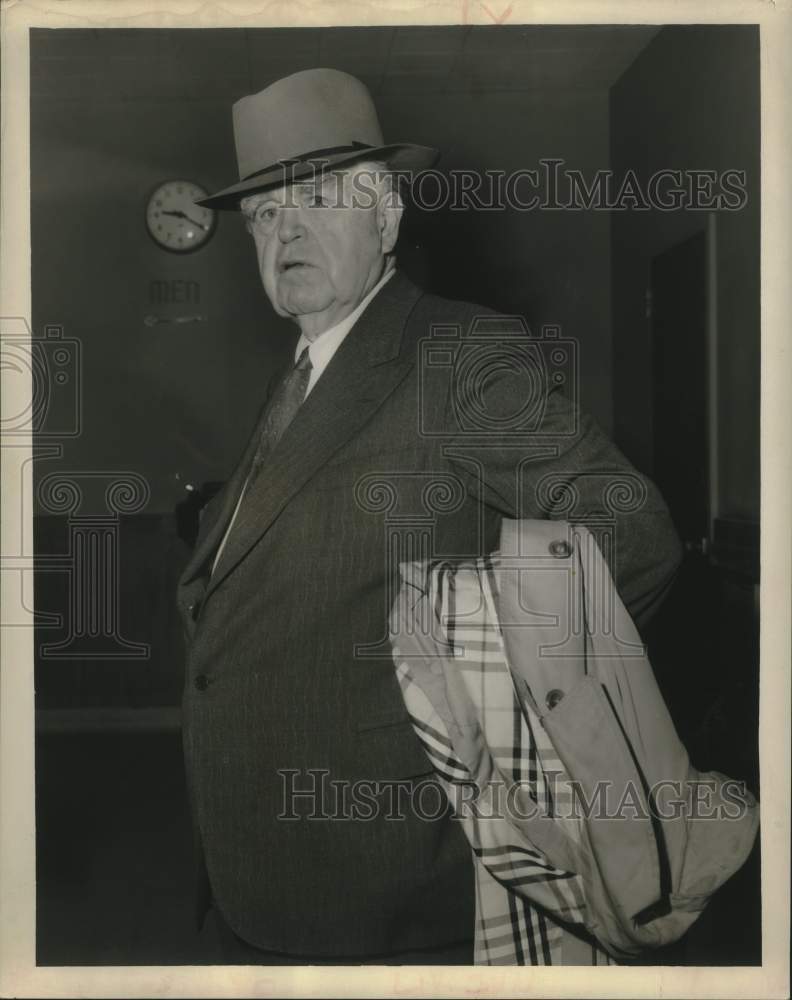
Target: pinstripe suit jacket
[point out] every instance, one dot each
(289, 679)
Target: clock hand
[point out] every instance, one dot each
(181, 215)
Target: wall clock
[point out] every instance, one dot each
(173, 219)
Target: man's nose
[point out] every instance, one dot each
(290, 225)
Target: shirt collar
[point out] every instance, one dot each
(326, 343)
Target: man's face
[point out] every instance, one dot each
(321, 245)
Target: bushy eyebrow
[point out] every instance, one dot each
(251, 204)
(311, 188)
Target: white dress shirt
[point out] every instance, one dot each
(320, 351)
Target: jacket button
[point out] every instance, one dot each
(560, 549)
(201, 682)
(553, 698)
(195, 610)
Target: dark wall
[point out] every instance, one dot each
(691, 101)
(168, 400)
(113, 113)
(549, 266)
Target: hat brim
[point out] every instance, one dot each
(399, 156)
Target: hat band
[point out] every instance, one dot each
(353, 147)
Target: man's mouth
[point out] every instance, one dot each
(292, 265)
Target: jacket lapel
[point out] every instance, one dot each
(211, 534)
(364, 371)
(214, 524)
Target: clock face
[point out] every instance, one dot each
(173, 219)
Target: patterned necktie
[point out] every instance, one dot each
(286, 401)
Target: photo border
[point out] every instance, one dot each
(19, 976)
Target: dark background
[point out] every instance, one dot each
(115, 112)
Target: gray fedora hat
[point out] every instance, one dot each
(318, 116)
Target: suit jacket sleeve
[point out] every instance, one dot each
(565, 468)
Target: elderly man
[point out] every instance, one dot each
(301, 760)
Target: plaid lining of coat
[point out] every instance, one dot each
(522, 901)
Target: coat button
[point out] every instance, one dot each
(560, 549)
(553, 698)
(195, 610)
(201, 682)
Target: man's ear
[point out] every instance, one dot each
(389, 216)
